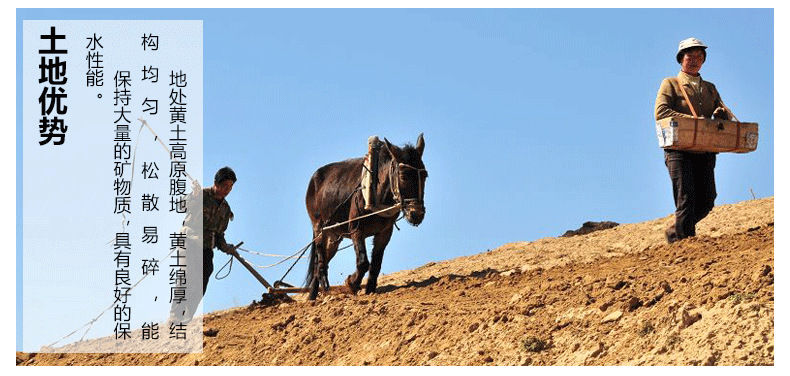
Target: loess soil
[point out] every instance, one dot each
(619, 296)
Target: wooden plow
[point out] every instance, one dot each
(279, 287)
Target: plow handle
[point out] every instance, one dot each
(233, 252)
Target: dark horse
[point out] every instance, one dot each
(334, 196)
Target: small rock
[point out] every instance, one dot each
(534, 344)
(764, 271)
(473, 327)
(632, 304)
(655, 299)
(614, 316)
(408, 340)
(665, 286)
(282, 325)
(432, 355)
(606, 305)
(508, 273)
(686, 318)
(515, 298)
(713, 358)
(590, 226)
(531, 309)
(721, 281)
(597, 351)
(527, 361)
(615, 282)
(488, 359)
(316, 320)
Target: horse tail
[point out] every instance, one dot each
(311, 265)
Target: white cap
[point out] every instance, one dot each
(686, 44)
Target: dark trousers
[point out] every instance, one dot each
(184, 311)
(694, 189)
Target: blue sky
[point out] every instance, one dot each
(534, 120)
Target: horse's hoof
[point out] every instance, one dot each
(370, 290)
(351, 285)
(313, 292)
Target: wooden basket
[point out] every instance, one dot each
(698, 134)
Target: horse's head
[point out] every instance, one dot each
(407, 178)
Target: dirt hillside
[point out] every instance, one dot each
(620, 296)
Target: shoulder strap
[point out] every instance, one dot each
(686, 96)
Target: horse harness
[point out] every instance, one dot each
(395, 169)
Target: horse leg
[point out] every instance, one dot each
(317, 262)
(355, 280)
(380, 242)
(331, 249)
(313, 289)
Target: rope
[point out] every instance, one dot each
(299, 258)
(285, 258)
(230, 262)
(264, 254)
(360, 217)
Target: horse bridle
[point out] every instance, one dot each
(395, 185)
